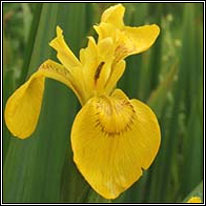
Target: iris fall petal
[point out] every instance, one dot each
(24, 105)
(113, 139)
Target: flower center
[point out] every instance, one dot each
(114, 116)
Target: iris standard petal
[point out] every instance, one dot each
(129, 40)
(105, 30)
(64, 53)
(113, 139)
(116, 73)
(96, 62)
(24, 105)
(141, 38)
(114, 15)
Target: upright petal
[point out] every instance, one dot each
(96, 60)
(116, 73)
(24, 105)
(105, 30)
(139, 39)
(64, 54)
(113, 140)
(127, 40)
(114, 15)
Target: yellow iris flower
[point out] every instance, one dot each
(113, 138)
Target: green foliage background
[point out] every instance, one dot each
(169, 77)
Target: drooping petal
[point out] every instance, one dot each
(56, 71)
(113, 139)
(64, 53)
(24, 105)
(114, 15)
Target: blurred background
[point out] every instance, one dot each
(168, 77)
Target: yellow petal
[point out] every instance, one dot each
(113, 139)
(104, 66)
(114, 15)
(116, 73)
(96, 62)
(105, 30)
(24, 105)
(89, 60)
(56, 71)
(89, 54)
(64, 53)
(141, 38)
(105, 48)
(128, 40)
(194, 199)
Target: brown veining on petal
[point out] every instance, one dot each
(114, 117)
(61, 71)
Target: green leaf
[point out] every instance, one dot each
(158, 97)
(30, 43)
(33, 167)
(192, 143)
(27, 18)
(8, 87)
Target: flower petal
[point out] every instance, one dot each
(116, 73)
(105, 56)
(141, 38)
(113, 139)
(24, 105)
(114, 15)
(64, 54)
(96, 62)
(105, 30)
(72, 79)
(105, 49)
(128, 40)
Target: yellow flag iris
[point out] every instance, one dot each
(113, 138)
